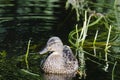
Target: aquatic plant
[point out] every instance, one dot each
(26, 56)
(79, 37)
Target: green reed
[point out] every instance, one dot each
(26, 55)
(113, 70)
(107, 50)
(94, 42)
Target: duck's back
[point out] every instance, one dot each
(70, 61)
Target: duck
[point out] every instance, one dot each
(60, 58)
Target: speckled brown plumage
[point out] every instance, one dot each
(61, 59)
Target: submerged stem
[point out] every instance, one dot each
(113, 70)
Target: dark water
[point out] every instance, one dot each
(24, 20)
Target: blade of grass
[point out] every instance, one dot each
(26, 55)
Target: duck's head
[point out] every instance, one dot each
(54, 44)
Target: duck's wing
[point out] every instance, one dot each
(68, 54)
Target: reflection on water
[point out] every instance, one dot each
(58, 76)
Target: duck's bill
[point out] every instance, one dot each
(45, 50)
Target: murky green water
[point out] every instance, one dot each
(24, 20)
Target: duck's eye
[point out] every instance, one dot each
(50, 52)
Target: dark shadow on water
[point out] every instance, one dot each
(59, 76)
